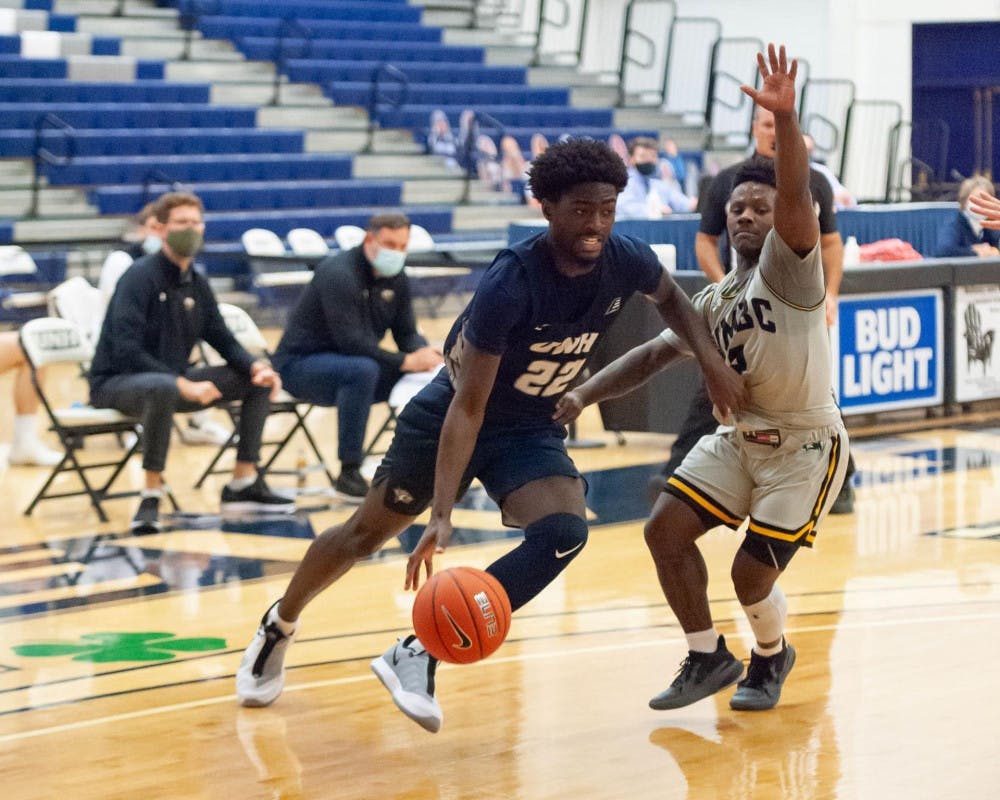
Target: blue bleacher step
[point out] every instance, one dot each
(218, 71)
(57, 202)
(393, 140)
(67, 229)
(310, 118)
(452, 190)
(261, 92)
(170, 49)
(392, 165)
(130, 8)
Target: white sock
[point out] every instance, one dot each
(157, 493)
(767, 619)
(239, 484)
(286, 627)
(25, 430)
(703, 641)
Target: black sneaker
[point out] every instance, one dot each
(147, 517)
(761, 688)
(256, 497)
(844, 504)
(700, 675)
(351, 485)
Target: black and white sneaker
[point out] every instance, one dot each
(351, 486)
(261, 675)
(407, 671)
(147, 516)
(256, 497)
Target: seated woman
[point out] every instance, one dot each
(965, 235)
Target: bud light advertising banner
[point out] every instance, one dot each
(888, 351)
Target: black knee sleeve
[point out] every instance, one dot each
(549, 545)
(772, 553)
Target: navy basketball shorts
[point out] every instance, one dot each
(505, 458)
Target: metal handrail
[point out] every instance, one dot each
(188, 14)
(288, 26)
(41, 154)
(375, 98)
(544, 20)
(480, 120)
(626, 58)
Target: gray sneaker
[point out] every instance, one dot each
(407, 671)
(700, 675)
(761, 688)
(261, 674)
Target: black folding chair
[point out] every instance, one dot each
(248, 334)
(50, 340)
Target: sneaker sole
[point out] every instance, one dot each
(750, 705)
(726, 679)
(391, 682)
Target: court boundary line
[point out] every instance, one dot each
(231, 698)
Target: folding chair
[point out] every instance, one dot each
(348, 236)
(405, 388)
(48, 340)
(248, 334)
(82, 304)
(307, 242)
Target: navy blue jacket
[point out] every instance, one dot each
(956, 238)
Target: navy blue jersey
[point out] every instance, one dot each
(544, 324)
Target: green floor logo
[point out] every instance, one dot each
(105, 647)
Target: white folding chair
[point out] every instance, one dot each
(262, 242)
(49, 340)
(420, 240)
(307, 242)
(242, 326)
(348, 236)
(81, 303)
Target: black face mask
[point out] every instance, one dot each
(646, 169)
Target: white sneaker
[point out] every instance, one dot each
(261, 675)
(407, 671)
(205, 433)
(33, 454)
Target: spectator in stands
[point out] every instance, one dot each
(673, 167)
(647, 196)
(160, 309)
(513, 165)
(965, 235)
(712, 204)
(144, 239)
(842, 198)
(538, 145)
(331, 354)
(27, 449)
(441, 138)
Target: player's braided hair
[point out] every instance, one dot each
(567, 164)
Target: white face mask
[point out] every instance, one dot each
(388, 263)
(151, 244)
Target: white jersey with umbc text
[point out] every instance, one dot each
(770, 325)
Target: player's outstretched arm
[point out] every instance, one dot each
(986, 206)
(621, 376)
(794, 218)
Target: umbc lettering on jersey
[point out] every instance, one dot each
(740, 318)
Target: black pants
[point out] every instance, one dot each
(700, 422)
(154, 397)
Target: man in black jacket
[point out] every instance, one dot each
(330, 353)
(160, 309)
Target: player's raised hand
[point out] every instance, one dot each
(987, 207)
(778, 92)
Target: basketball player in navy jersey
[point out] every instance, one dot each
(527, 334)
(780, 462)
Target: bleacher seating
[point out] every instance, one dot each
(14, 66)
(98, 45)
(367, 11)
(223, 27)
(263, 48)
(43, 90)
(130, 115)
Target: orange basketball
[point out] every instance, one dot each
(461, 615)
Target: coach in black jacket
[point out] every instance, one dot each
(160, 309)
(330, 353)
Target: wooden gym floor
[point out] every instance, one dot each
(117, 653)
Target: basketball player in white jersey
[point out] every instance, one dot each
(777, 466)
